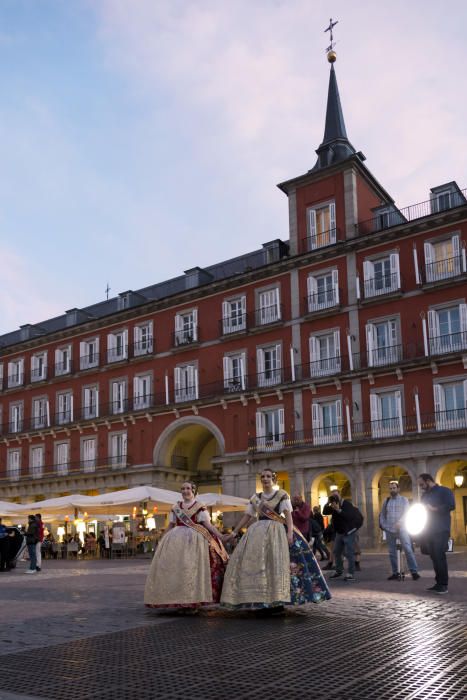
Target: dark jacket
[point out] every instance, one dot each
(319, 519)
(315, 529)
(343, 521)
(442, 499)
(32, 533)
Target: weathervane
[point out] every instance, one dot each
(332, 56)
(107, 290)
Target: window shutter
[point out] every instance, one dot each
(124, 444)
(195, 381)
(243, 307)
(195, 324)
(260, 361)
(393, 333)
(225, 316)
(281, 419)
(314, 349)
(312, 226)
(463, 322)
(243, 370)
(375, 407)
(395, 271)
(278, 357)
(116, 394)
(335, 285)
(136, 388)
(332, 218)
(82, 354)
(111, 341)
(177, 379)
(227, 362)
(337, 348)
(178, 323)
(260, 424)
(398, 397)
(438, 395)
(137, 335)
(429, 256)
(339, 420)
(465, 397)
(370, 342)
(433, 331)
(315, 419)
(277, 302)
(368, 270)
(456, 250)
(312, 291)
(125, 343)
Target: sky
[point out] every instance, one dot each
(141, 138)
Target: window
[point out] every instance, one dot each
(327, 422)
(143, 339)
(186, 383)
(450, 405)
(268, 362)
(442, 201)
(322, 226)
(323, 291)
(14, 464)
(186, 328)
(142, 392)
(117, 346)
(269, 307)
(386, 414)
(443, 259)
(63, 360)
(89, 353)
(15, 373)
(382, 343)
(16, 417)
(234, 372)
(88, 454)
(325, 354)
(118, 449)
(1, 376)
(381, 276)
(270, 429)
(447, 329)
(65, 408)
(40, 413)
(90, 402)
(39, 367)
(119, 396)
(37, 461)
(62, 458)
(234, 315)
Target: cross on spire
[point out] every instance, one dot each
(331, 35)
(107, 290)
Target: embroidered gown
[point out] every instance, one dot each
(263, 571)
(186, 570)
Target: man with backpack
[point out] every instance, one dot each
(391, 520)
(346, 520)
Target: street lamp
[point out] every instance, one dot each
(459, 480)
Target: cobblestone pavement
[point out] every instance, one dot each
(79, 630)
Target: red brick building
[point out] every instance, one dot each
(336, 356)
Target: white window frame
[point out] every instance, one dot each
(272, 375)
(323, 367)
(186, 382)
(269, 306)
(331, 294)
(16, 417)
(87, 359)
(90, 398)
(143, 339)
(274, 441)
(62, 457)
(40, 412)
(117, 345)
(436, 270)
(186, 334)
(63, 366)
(443, 421)
(396, 425)
(36, 467)
(39, 367)
(88, 455)
(16, 372)
(326, 435)
(142, 391)
(233, 323)
(1, 376)
(369, 277)
(118, 449)
(313, 236)
(64, 405)
(231, 383)
(379, 356)
(119, 394)
(14, 463)
(436, 344)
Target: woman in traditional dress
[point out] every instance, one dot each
(188, 566)
(273, 564)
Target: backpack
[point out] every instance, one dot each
(357, 518)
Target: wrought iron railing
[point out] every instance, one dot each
(448, 343)
(324, 299)
(443, 269)
(321, 240)
(381, 284)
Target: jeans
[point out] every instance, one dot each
(344, 544)
(406, 545)
(437, 545)
(32, 556)
(38, 555)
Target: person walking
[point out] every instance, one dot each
(391, 521)
(32, 538)
(439, 502)
(40, 525)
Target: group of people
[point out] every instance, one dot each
(272, 564)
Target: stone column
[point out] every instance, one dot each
(297, 483)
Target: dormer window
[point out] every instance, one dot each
(321, 226)
(445, 197)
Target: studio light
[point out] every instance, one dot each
(416, 519)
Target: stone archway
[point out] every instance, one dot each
(324, 479)
(444, 475)
(187, 447)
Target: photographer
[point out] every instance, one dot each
(346, 519)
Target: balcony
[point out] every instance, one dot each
(15, 380)
(117, 354)
(326, 299)
(321, 240)
(326, 366)
(186, 393)
(270, 377)
(444, 269)
(381, 285)
(453, 419)
(185, 337)
(387, 427)
(448, 343)
(13, 473)
(268, 314)
(63, 417)
(89, 361)
(143, 347)
(233, 324)
(68, 468)
(385, 355)
(61, 368)
(412, 213)
(115, 408)
(90, 412)
(39, 374)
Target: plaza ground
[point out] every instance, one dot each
(78, 630)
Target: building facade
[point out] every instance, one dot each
(338, 356)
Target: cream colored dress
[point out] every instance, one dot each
(258, 572)
(180, 573)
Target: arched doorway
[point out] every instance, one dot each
(446, 476)
(187, 448)
(323, 485)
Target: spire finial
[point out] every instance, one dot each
(331, 54)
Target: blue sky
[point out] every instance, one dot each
(141, 138)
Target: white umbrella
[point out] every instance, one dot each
(123, 501)
(8, 509)
(223, 502)
(64, 505)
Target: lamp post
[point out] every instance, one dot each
(459, 480)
